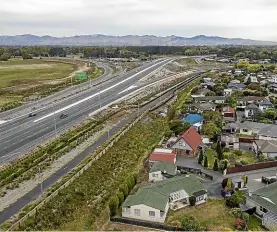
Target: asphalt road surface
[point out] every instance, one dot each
(36, 192)
(23, 133)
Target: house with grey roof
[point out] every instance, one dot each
(261, 131)
(252, 112)
(151, 203)
(267, 147)
(265, 105)
(202, 107)
(162, 171)
(264, 201)
(211, 99)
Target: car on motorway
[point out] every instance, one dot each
(32, 115)
(62, 116)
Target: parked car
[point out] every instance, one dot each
(62, 116)
(32, 115)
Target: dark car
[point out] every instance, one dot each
(62, 116)
(32, 115)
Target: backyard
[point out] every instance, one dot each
(212, 216)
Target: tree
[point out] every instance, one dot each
(171, 113)
(214, 117)
(124, 189)
(223, 164)
(270, 114)
(120, 197)
(215, 168)
(206, 163)
(130, 181)
(190, 223)
(201, 157)
(219, 151)
(192, 200)
(211, 130)
(236, 199)
(178, 126)
(113, 205)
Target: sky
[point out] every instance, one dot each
(252, 19)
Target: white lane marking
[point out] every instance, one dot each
(103, 91)
(2, 122)
(129, 88)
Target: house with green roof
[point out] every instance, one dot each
(151, 203)
(162, 171)
(264, 200)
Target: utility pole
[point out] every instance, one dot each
(55, 122)
(41, 189)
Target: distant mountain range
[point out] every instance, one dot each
(128, 40)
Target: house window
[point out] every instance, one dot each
(161, 214)
(201, 198)
(245, 130)
(137, 212)
(127, 210)
(187, 152)
(180, 143)
(262, 209)
(151, 214)
(155, 175)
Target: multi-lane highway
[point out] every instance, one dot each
(21, 133)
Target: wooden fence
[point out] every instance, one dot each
(251, 167)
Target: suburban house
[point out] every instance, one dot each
(262, 131)
(236, 86)
(250, 99)
(252, 79)
(235, 81)
(213, 99)
(207, 84)
(230, 141)
(238, 71)
(152, 203)
(272, 87)
(195, 120)
(264, 201)
(165, 155)
(252, 112)
(231, 128)
(227, 92)
(265, 105)
(162, 171)
(207, 79)
(266, 147)
(228, 114)
(187, 144)
(202, 107)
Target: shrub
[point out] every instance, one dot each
(206, 164)
(124, 189)
(201, 157)
(238, 153)
(120, 197)
(130, 181)
(245, 216)
(113, 205)
(244, 162)
(235, 200)
(192, 200)
(190, 223)
(239, 224)
(215, 168)
(238, 164)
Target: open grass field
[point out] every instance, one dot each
(18, 72)
(25, 80)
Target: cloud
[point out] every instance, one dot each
(255, 19)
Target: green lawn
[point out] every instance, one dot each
(18, 72)
(213, 215)
(211, 154)
(244, 158)
(254, 224)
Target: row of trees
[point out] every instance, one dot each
(138, 51)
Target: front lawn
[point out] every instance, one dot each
(213, 215)
(254, 224)
(211, 155)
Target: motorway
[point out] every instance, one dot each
(37, 191)
(22, 133)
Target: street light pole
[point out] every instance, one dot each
(55, 122)
(41, 189)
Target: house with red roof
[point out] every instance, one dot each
(188, 143)
(162, 155)
(229, 114)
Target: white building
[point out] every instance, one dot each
(152, 203)
(162, 171)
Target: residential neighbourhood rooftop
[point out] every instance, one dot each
(268, 130)
(168, 168)
(157, 194)
(193, 119)
(268, 146)
(162, 156)
(191, 137)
